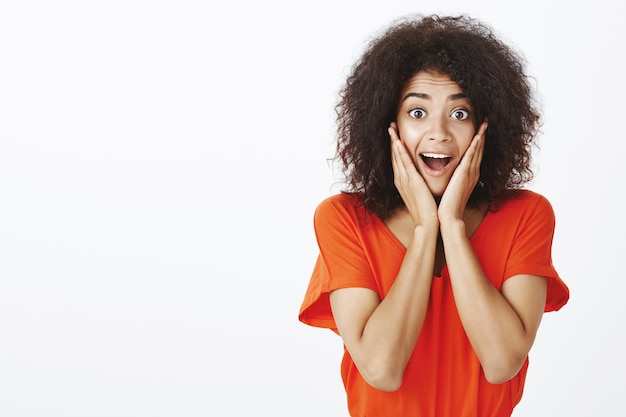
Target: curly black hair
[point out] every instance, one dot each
(491, 74)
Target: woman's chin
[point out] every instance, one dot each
(437, 186)
(437, 191)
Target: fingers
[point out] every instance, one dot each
(481, 140)
(415, 194)
(395, 143)
(480, 145)
(406, 177)
(404, 166)
(465, 177)
(474, 154)
(398, 155)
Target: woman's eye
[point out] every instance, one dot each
(460, 114)
(417, 113)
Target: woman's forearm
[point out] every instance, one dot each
(495, 329)
(387, 339)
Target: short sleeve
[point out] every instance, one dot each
(342, 261)
(532, 251)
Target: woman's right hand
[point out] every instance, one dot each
(413, 189)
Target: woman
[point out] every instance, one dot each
(435, 265)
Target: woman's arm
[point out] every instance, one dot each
(501, 325)
(381, 335)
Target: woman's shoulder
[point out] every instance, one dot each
(344, 208)
(525, 206)
(343, 201)
(523, 199)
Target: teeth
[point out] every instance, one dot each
(435, 155)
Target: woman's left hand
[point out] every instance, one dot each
(464, 179)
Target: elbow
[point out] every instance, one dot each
(496, 378)
(499, 372)
(382, 378)
(385, 384)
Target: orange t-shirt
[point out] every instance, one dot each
(443, 377)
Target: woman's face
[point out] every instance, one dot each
(436, 123)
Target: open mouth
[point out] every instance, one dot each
(436, 161)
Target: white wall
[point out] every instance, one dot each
(160, 162)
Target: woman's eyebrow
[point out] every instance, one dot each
(418, 95)
(457, 96)
(425, 96)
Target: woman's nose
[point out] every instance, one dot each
(438, 129)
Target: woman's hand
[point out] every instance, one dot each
(463, 180)
(413, 189)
